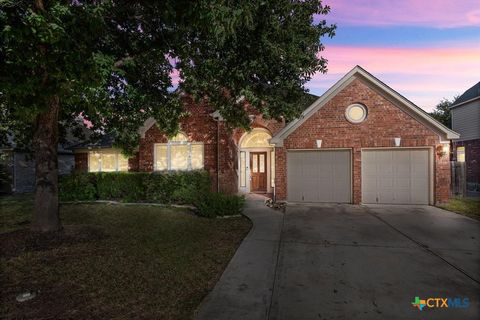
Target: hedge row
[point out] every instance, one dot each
(190, 187)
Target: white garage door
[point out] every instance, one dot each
(395, 176)
(319, 176)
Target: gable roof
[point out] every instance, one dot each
(469, 95)
(358, 72)
(304, 103)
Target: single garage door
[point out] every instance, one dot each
(395, 176)
(319, 176)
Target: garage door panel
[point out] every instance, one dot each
(395, 176)
(401, 196)
(369, 197)
(385, 169)
(385, 196)
(325, 194)
(339, 195)
(294, 174)
(402, 169)
(385, 182)
(402, 182)
(319, 176)
(419, 170)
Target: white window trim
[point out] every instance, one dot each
(244, 175)
(169, 145)
(347, 113)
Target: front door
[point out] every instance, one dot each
(258, 171)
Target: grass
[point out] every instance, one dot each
(112, 261)
(465, 206)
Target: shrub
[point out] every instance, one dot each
(77, 187)
(123, 186)
(212, 204)
(190, 187)
(163, 187)
(177, 187)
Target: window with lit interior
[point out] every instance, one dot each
(461, 154)
(107, 161)
(178, 154)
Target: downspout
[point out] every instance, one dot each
(274, 169)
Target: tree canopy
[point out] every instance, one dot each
(117, 63)
(442, 113)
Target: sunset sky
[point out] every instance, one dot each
(425, 49)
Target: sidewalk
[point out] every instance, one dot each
(245, 289)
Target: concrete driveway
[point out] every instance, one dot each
(351, 262)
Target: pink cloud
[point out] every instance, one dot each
(423, 75)
(438, 13)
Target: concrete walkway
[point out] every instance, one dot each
(245, 289)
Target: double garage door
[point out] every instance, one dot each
(388, 176)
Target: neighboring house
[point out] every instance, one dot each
(18, 168)
(466, 121)
(360, 142)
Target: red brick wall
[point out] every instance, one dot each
(384, 122)
(199, 126)
(133, 163)
(472, 158)
(81, 162)
(271, 125)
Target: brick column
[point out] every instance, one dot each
(280, 173)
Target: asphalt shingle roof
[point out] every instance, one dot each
(105, 141)
(470, 94)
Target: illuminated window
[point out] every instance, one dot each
(107, 160)
(256, 139)
(461, 154)
(272, 168)
(356, 113)
(178, 154)
(243, 169)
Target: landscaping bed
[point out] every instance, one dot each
(182, 187)
(112, 261)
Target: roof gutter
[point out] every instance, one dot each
(464, 102)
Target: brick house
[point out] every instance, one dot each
(465, 113)
(360, 142)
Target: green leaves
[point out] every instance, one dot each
(442, 112)
(119, 62)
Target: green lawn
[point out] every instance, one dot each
(112, 261)
(465, 206)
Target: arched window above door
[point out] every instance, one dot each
(256, 139)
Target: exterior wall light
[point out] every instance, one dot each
(319, 143)
(397, 141)
(442, 149)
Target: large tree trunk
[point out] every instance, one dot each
(46, 215)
